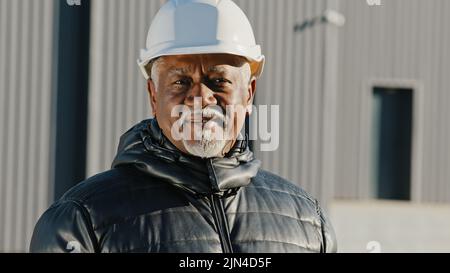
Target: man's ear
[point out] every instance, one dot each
(251, 95)
(152, 95)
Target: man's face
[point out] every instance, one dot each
(217, 86)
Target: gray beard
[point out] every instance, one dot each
(205, 148)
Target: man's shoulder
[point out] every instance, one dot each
(96, 185)
(110, 186)
(272, 182)
(114, 195)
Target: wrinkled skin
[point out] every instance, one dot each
(219, 79)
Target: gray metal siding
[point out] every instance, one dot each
(26, 35)
(117, 91)
(295, 78)
(401, 43)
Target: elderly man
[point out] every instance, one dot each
(186, 180)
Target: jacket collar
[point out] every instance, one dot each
(145, 147)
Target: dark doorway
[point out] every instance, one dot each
(392, 130)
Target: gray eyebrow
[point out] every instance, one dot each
(178, 71)
(216, 69)
(182, 71)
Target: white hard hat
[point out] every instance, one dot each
(201, 27)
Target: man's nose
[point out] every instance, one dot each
(202, 91)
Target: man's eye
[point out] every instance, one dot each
(220, 81)
(181, 82)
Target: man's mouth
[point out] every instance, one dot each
(203, 119)
(200, 120)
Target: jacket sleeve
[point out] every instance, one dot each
(329, 242)
(64, 228)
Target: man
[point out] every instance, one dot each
(186, 180)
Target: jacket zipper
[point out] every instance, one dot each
(221, 223)
(220, 217)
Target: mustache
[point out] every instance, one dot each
(204, 115)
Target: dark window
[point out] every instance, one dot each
(392, 129)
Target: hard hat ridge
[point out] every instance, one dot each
(182, 2)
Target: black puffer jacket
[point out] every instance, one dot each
(156, 199)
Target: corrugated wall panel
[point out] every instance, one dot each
(118, 98)
(399, 41)
(26, 35)
(293, 79)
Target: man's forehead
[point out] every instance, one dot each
(209, 62)
(186, 69)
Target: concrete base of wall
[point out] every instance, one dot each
(384, 226)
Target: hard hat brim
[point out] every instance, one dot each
(255, 58)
